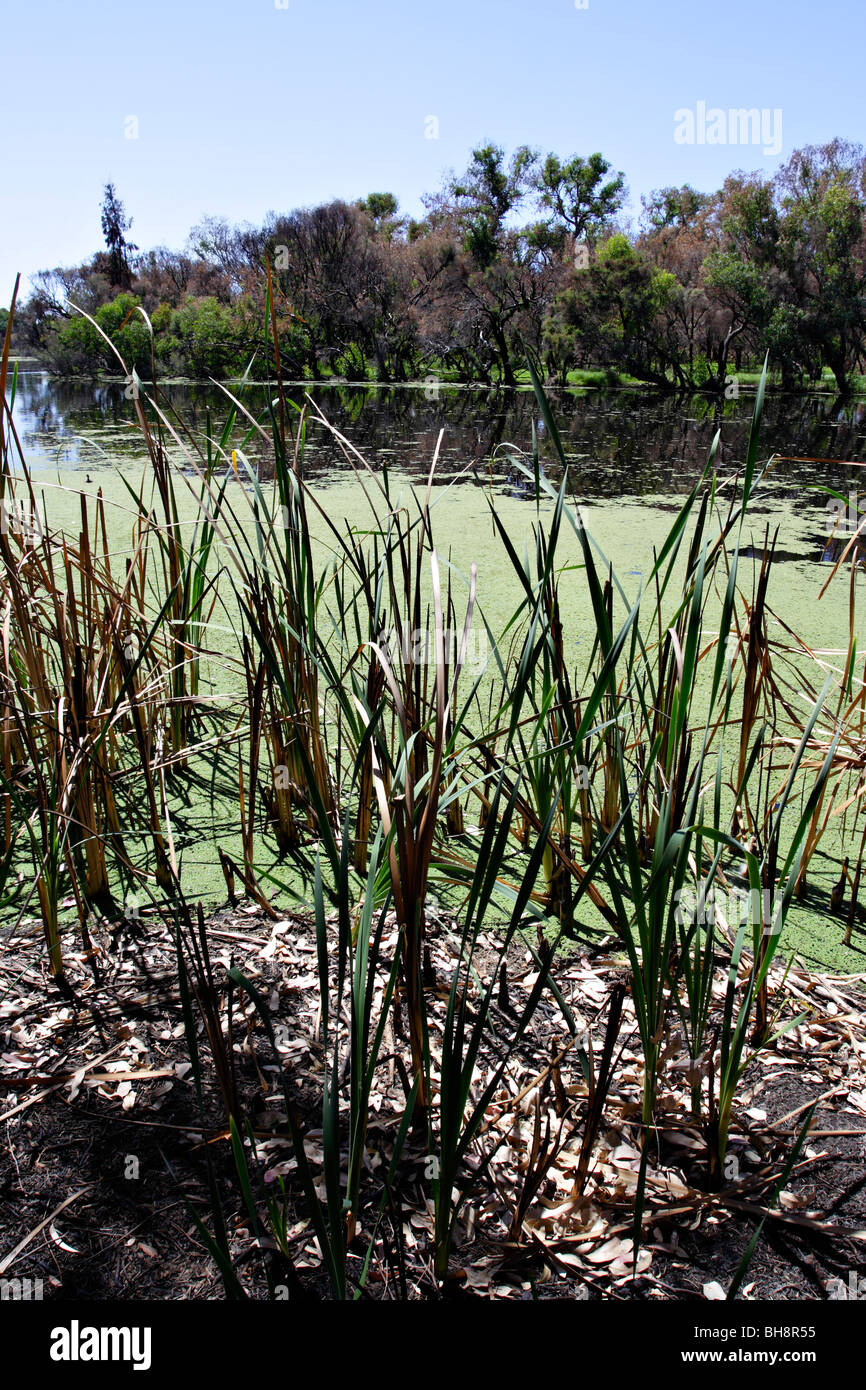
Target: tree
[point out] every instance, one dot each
(674, 207)
(381, 208)
(615, 313)
(822, 251)
(761, 264)
(379, 205)
(740, 273)
(498, 272)
(347, 290)
(237, 252)
(681, 231)
(477, 204)
(575, 193)
(115, 225)
(492, 189)
(81, 347)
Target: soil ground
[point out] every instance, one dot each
(104, 1150)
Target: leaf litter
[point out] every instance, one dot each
(543, 1215)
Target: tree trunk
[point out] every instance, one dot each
(504, 356)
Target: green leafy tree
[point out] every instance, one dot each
(209, 337)
(578, 194)
(493, 187)
(613, 314)
(822, 252)
(382, 210)
(674, 207)
(81, 347)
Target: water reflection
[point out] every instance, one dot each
(618, 443)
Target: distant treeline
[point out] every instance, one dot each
(520, 254)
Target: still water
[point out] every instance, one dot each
(623, 443)
(631, 456)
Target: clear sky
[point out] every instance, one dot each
(244, 106)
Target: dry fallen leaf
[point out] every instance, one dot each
(59, 1241)
(612, 1249)
(714, 1292)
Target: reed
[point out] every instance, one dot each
(607, 795)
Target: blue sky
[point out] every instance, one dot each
(243, 106)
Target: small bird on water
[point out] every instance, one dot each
(837, 892)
